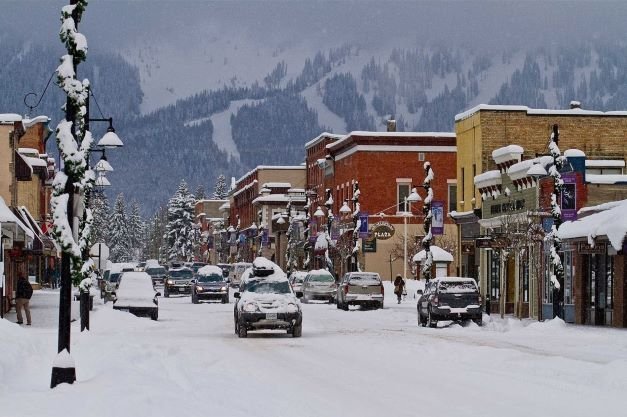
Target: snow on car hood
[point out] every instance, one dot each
(135, 290)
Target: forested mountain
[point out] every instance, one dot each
(292, 96)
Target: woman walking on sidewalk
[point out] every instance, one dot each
(22, 299)
(399, 286)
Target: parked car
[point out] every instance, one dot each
(266, 301)
(179, 281)
(238, 270)
(296, 279)
(360, 288)
(141, 266)
(319, 284)
(111, 286)
(157, 273)
(137, 295)
(449, 298)
(210, 284)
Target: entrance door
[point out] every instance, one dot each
(599, 289)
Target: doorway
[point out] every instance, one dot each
(599, 270)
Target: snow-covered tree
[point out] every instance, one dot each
(135, 230)
(221, 191)
(557, 277)
(426, 210)
(100, 212)
(180, 228)
(200, 192)
(120, 240)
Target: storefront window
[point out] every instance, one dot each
(495, 274)
(569, 273)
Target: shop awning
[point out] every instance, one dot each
(11, 223)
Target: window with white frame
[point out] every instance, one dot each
(402, 192)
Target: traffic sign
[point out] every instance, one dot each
(99, 250)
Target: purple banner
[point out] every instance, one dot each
(568, 200)
(313, 231)
(437, 220)
(363, 229)
(265, 241)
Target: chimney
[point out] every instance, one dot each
(391, 124)
(575, 105)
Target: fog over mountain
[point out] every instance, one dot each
(208, 79)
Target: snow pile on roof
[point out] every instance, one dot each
(488, 179)
(574, 153)
(605, 163)
(321, 242)
(506, 151)
(10, 118)
(606, 179)
(610, 221)
(439, 255)
(210, 270)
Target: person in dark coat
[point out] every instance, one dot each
(22, 299)
(399, 286)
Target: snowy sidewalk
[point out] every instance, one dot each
(44, 309)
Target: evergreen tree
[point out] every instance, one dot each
(100, 212)
(120, 242)
(200, 192)
(180, 230)
(135, 230)
(221, 190)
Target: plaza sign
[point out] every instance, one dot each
(383, 230)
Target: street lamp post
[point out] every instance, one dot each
(412, 198)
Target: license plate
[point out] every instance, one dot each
(271, 316)
(124, 309)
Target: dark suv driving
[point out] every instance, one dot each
(210, 284)
(449, 298)
(179, 281)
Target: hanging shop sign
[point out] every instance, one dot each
(382, 230)
(599, 248)
(568, 199)
(369, 245)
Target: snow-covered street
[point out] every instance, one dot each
(356, 363)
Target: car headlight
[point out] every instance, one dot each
(250, 307)
(170, 282)
(223, 289)
(292, 308)
(198, 288)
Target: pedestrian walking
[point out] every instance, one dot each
(399, 287)
(22, 298)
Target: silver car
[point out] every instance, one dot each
(319, 285)
(296, 280)
(360, 288)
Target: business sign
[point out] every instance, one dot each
(335, 229)
(483, 242)
(437, 219)
(363, 229)
(568, 200)
(369, 245)
(597, 249)
(383, 230)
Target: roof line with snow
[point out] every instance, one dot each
(539, 112)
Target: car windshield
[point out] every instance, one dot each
(365, 278)
(210, 278)
(183, 273)
(321, 278)
(114, 277)
(155, 271)
(268, 287)
(457, 286)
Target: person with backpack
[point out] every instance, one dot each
(22, 298)
(399, 286)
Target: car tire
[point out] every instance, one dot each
(242, 332)
(432, 323)
(345, 306)
(195, 300)
(478, 321)
(297, 330)
(337, 304)
(154, 316)
(225, 300)
(380, 305)
(331, 301)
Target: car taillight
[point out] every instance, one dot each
(480, 300)
(346, 289)
(382, 290)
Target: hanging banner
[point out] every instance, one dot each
(363, 229)
(437, 221)
(568, 199)
(313, 231)
(265, 241)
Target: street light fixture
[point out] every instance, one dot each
(412, 198)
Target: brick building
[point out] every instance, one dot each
(211, 220)
(386, 165)
(485, 128)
